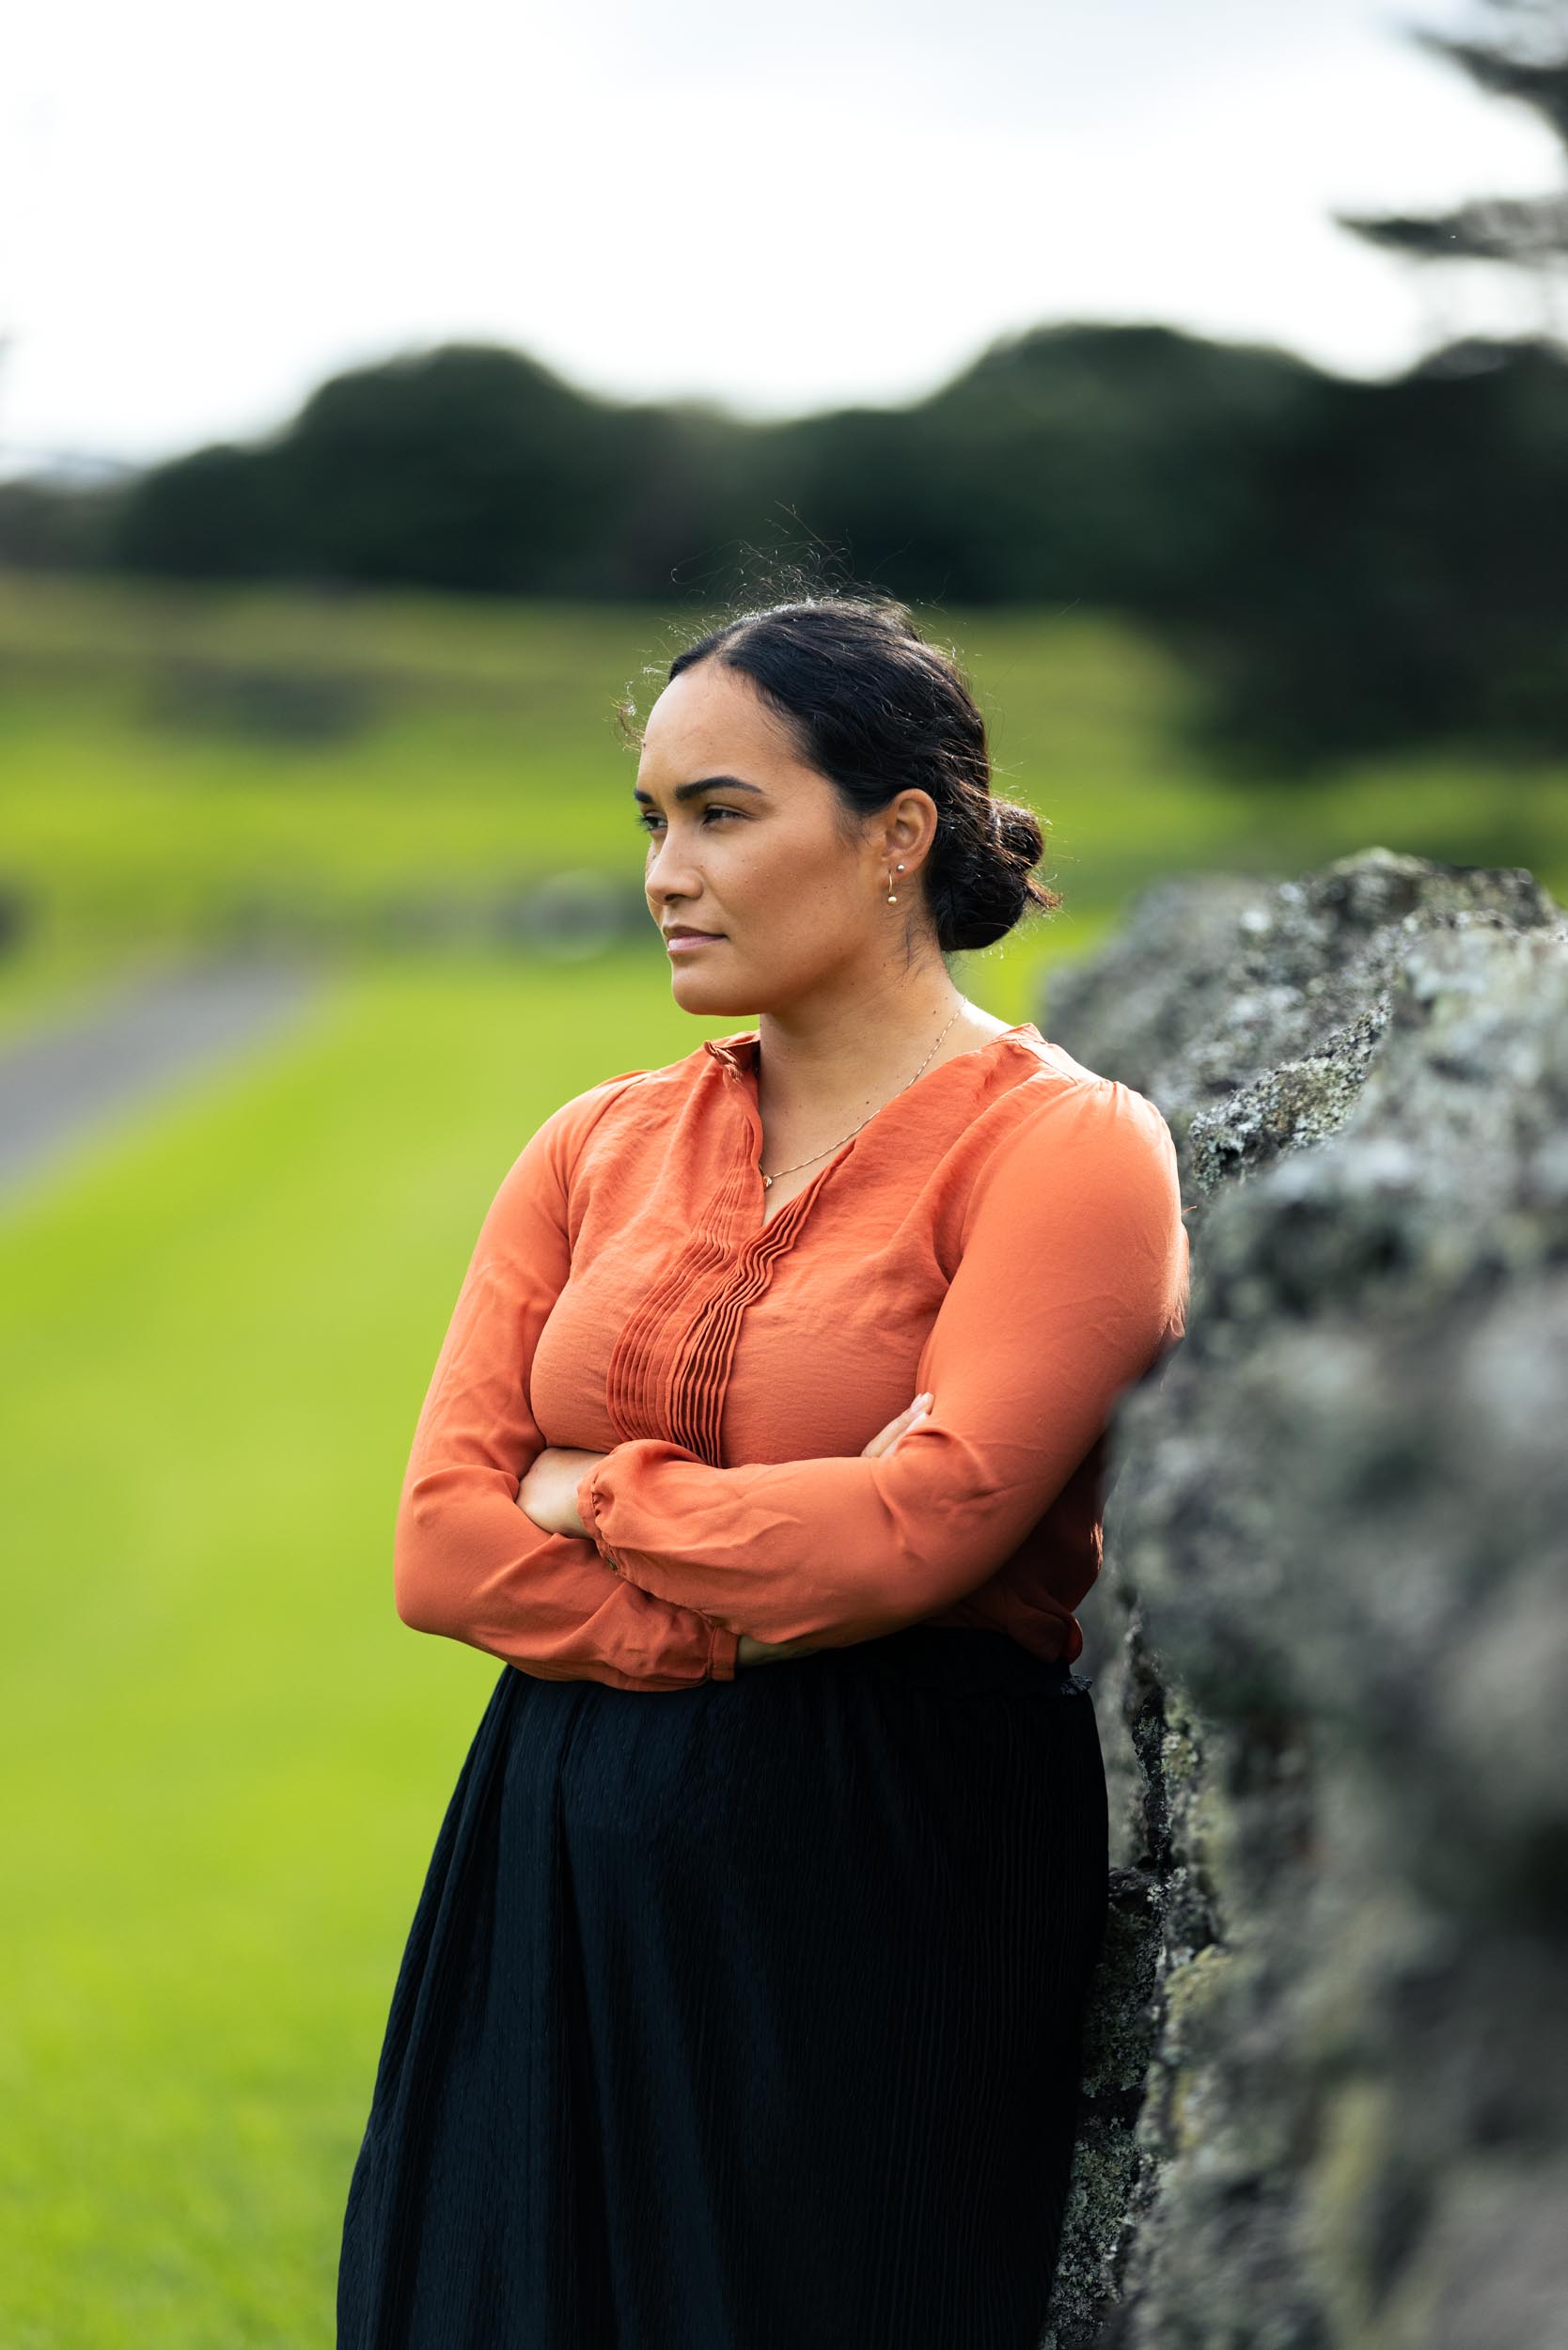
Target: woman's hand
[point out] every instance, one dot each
(548, 1492)
(752, 1652)
(888, 1437)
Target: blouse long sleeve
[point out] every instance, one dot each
(1070, 1285)
(469, 1563)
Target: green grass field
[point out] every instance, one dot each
(225, 1759)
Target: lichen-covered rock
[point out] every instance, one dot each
(1326, 2066)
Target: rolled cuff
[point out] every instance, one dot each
(723, 1644)
(588, 1509)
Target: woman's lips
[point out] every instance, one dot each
(687, 942)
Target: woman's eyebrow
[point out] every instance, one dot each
(709, 783)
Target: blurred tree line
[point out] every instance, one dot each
(1347, 566)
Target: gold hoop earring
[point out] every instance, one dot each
(892, 896)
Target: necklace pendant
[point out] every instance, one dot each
(767, 1180)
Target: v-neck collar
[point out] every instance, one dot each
(736, 1056)
(738, 1052)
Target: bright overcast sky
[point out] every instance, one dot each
(204, 211)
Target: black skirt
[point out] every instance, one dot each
(745, 2016)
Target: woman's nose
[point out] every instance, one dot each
(671, 872)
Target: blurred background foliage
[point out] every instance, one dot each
(1345, 566)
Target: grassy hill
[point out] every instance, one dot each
(189, 765)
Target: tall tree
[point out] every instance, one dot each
(1522, 55)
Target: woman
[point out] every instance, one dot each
(741, 2007)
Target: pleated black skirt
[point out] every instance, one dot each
(742, 2017)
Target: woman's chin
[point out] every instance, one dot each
(707, 1003)
(702, 990)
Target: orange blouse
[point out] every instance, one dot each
(1007, 1231)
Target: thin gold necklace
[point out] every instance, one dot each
(768, 1180)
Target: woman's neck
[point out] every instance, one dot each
(853, 1060)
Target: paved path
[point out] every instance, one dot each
(76, 1074)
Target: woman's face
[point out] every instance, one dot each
(760, 860)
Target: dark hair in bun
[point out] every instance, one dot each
(877, 709)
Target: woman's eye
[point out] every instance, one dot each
(648, 821)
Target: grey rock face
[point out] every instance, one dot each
(1326, 2069)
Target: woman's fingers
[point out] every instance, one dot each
(887, 1437)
